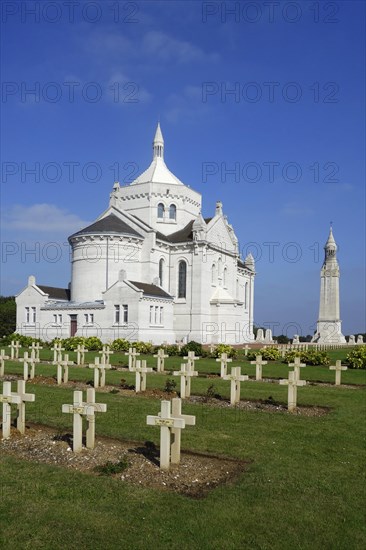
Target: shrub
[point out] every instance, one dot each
(111, 468)
(224, 348)
(25, 341)
(170, 385)
(92, 343)
(120, 344)
(268, 354)
(192, 346)
(146, 348)
(310, 357)
(356, 359)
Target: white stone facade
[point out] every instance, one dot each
(149, 268)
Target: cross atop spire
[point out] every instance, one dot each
(158, 143)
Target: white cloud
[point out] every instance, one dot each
(124, 90)
(295, 209)
(155, 47)
(42, 218)
(163, 47)
(188, 105)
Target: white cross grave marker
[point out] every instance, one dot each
(224, 360)
(2, 361)
(246, 349)
(132, 354)
(94, 407)
(63, 365)
(258, 366)
(57, 352)
(338, 368)
(7, 398)
(176, 433)
(99, 372)
(24, 398)
(106, 352)
(297, 365)
(26, 360)
(160, 362)
(185, 374)
(35, 348)
(80, 354)
(140, 372)
(293, 382)
(191, 358)
(166, 423)
(14, 349)
(80, 409)
(236, 377)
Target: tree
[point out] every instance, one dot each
(282, 339)
(7, 315)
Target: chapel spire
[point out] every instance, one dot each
(158, 144)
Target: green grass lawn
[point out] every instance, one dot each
(304, 487)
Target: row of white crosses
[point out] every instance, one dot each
(171, 422)
(20, 398)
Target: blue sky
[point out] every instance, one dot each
(284, 151)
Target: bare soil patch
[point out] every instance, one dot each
(269, 405)
(196, 475)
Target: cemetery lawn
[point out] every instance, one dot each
(304, 485)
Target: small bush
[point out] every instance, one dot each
(170, 385)
(356, 359)
(224, 348)
(310, 357)
(120, 344)
(268, 354)
(192, 346)
(146, 348)
(111, 468)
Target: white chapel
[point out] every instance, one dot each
(149, 268)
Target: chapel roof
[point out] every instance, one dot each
(55, 293)
(151, 290)
(108, 224)
(158, 172)
(180, 236)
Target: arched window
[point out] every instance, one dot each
(213, 274)
(182, 279)
(161, 209)
(224, 277)
(246, 295)
(219, 271)
(161, 271)
(172, 212)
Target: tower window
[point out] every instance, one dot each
(161, 210)
(182, 279)
(172, 212)
(161, 271)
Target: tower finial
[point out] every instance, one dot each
(158, 143)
